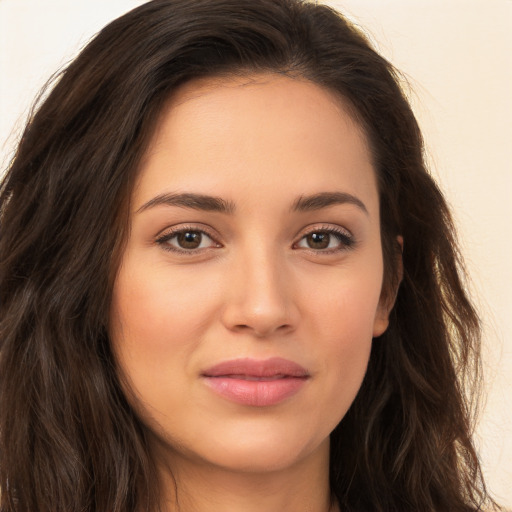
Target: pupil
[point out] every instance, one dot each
(318, 240)
(189, 239)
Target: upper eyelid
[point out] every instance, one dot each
(170, 231)
(202, 227)
(344, 236)
(163, 240)
(334, 228)
(174, 230)
(165, 236)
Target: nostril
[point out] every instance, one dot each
(262, 331)
(260, 309)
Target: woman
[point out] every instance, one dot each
(228, 282)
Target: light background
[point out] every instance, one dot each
(457, 56)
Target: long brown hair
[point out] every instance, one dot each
(69, 441)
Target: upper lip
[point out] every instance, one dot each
(273, 367)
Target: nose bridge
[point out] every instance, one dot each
(260, 299)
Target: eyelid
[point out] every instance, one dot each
(345, 237)
(170, 232)
(326, 227)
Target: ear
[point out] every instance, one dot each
(388, 297)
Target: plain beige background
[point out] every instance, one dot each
(457, 56)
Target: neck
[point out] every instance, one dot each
(195, 486)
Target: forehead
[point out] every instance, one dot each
(268, 93)
(257, 85)
(256, 131)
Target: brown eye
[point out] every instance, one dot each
(189, 239)
(318, 240)
(326, 240)
(186, 240)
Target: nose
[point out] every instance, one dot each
(261, 300)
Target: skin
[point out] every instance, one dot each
(257, 286)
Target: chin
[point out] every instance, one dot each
(260, 448)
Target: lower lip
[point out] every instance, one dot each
(257, 393)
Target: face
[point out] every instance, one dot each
(250, 287)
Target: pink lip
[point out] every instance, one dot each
(256, 382)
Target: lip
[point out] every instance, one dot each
(254, 382)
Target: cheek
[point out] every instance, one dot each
(344, 305)
(343, 320)
(152, 308)
(347, 333)
(156, 323)
(153, 330)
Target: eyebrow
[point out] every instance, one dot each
(189, 200)
(217, 204)
(325, 199)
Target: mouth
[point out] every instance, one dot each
(256, 383)
(254, 378)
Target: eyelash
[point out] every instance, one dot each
(344, 237)
(164, 239)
